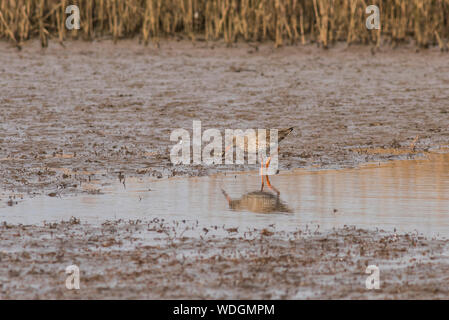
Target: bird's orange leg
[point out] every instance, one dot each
(268, 162)
(272, 187)
(269, 159)
(262, 175)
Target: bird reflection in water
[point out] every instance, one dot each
(259, 201)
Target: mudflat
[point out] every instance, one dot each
(164, 259)
(105, 109)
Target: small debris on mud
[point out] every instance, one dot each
(161, 259)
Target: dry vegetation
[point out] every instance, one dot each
(282, 21)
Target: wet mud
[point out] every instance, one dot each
(184, 260)
(109, 109)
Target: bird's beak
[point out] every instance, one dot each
(228, 198)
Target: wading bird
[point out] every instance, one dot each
(253, 147)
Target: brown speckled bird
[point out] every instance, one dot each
(254, 148)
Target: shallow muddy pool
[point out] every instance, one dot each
(409, 195)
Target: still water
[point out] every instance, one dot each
(409, 195)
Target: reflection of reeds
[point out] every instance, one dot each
(282, 21)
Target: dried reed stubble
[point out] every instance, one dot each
(323, 21)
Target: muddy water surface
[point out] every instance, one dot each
(409, 195)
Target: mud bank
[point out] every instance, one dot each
(181, 259)
(107, 110)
